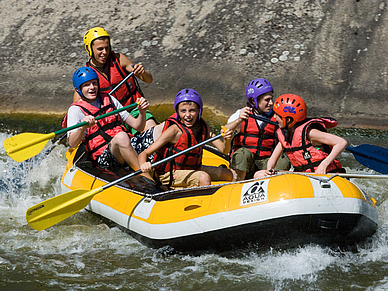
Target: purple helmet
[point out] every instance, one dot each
(188, 95)
(257, 87)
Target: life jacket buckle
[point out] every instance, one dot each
(306, 156)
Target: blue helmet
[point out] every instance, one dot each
(82, 75)
(257, 87)
(188, 95)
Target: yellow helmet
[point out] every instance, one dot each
(91, 35)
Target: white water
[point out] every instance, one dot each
(81, 254)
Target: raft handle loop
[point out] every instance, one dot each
(147, 198)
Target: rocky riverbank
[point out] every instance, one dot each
(332, 53)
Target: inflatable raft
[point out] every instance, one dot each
(284, 210)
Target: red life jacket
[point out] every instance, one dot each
(302, 154)
(99, 135)
(189, 161)
(126, 93)
(260, 140)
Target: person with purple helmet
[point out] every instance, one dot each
(182, 130)
(255, 141)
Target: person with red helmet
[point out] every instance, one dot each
(306, 141)
(255, 141)
(112, 68)
(182, 130)
(106, 141)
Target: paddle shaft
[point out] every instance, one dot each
(344, 175)
(264, 119)
(48, 136)
(121, 82)
(162, 161)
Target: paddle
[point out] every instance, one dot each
(56, 209)
(371, 156)
(26, 145)
(264, 119)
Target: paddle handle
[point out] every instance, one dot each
(264, 119)
(162, 161)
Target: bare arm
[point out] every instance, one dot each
(170, 135)
(276, 154)
(338, 144)
(138, 123)
(244, 114)
(223, 143)
(140, 72)
(76, 137)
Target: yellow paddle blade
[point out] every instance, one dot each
(58, 208)
(26, 145)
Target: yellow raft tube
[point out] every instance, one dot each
(284, 210)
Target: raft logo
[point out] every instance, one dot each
(254, 192)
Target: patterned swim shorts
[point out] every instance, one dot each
(107, 160)
(142, 141)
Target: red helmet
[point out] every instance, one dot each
(290, 105)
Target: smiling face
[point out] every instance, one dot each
(101, 50)
(188, 113)
(265, 102)
(90, 90)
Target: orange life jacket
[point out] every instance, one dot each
(189, 161)
(126, 93)
(260, 140)
(302, 154)
(99, 135)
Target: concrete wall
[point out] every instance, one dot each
(330, 52)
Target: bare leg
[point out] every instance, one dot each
(149, 123)
(228, 175)
(204, 179)
(240, 175)
(123, 151)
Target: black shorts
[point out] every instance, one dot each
(107, 160)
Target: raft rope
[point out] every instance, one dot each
(150, 196)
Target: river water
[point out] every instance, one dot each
(82, 254)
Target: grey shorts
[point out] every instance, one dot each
(107, 160)
(244, 160)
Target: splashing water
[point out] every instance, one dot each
(82, 254)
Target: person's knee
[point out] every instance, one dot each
(242, 160)
(121, 139)
(204, 179)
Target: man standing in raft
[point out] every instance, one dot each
(306, 142)
(256, 139)
(106, 140)
(183, 130)
(112, 68)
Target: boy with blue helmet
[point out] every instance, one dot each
(106, 140)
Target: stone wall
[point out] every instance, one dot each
(332, 53)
